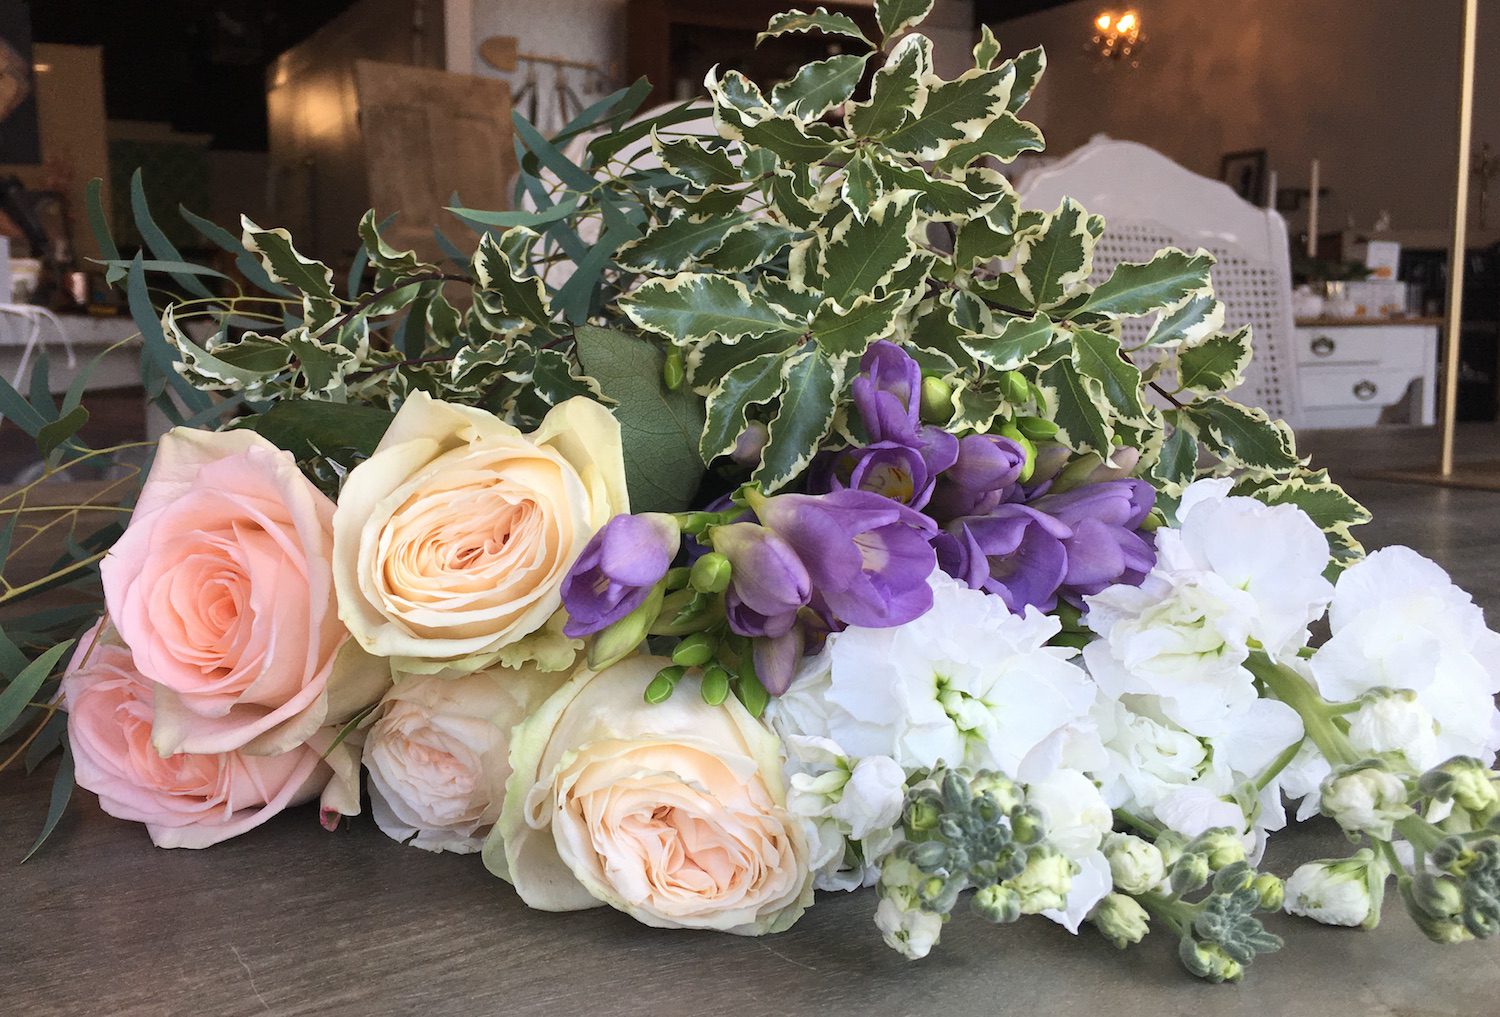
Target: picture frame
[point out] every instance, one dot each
(1245, 173)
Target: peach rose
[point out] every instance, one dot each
(452, 540)
(221, 586)
(674, 813)
(438, 753)
(185, 800)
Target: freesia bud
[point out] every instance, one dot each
(710, 573)
(937, 401)
(619, 640)
(751, 443)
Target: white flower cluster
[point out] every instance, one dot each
(1187, 733)
(967, 684)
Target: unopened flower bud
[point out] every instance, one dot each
(1044, 883)
(1190, 872)
(1344, 891)
(1136, 865)
(1012, 432)
(661, 687)
(936, 401)
(673, 372)
(1222, 846)
(619, 640)
(1120, 919)
(913, 933)
(1014, 388)
(1000, 904)
(1209, 961)
(710, 574)
(715, 688)
(1272, 891)
(1467, 781)
(1037, 428)
(922, 815)
(1026, 826)
(1438, 896)
(751, 443)
(695, 650)
(1366, 799)
(1006, 792)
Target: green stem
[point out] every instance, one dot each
(1130, 819)
(1176, 913)
(1317, 716)
(1278, 764)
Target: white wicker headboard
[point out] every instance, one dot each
(1150, 202)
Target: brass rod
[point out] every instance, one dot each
(1452, 338)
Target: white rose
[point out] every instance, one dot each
(968, 683)
(452, 540)
(673, 813)
(438, 754)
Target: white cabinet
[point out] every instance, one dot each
(1355, 373)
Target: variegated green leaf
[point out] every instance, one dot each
(673, 244)
(791, 139)
(709, 361)
(1056, 262)
(1137, 288)
(386, 259)
(692, 306)
(843, 334)
(987, 49)
(1327, 504)
(810, 383)
(753, 383)
(1177, 463)
(987, 237)
(955, 112)
(1081, 422)
(1016, 343)
(748, 245)
(1006, 137)
(819, 86)
(284, 264)
(975, 406)
(820, 20)
(696, 162)
(1244, 435)
(1029, 66)
(555, 378)
(946, 200)
(897, 93)
(857, 257)
(506, 292)
(862, 186)
(896, 16)
(1099, 362)
(1187, 322)
(1217, 364)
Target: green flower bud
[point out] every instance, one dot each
(1135, 865)
(929, 855)
(1465, 780)
(1190, 873)
(672, 370)
(619, 640)
(999, 904)
(1209, 961)
(1037, 428)
(1222, 847)
(1044, 883)
(662, 686)
(1076, 472)
(1006, 792)
(936, 405)
(752, 694)
(1171, 844)
(686, 611)
(1026, 826)
(1439, 896)
(923, 815)
(710, 574)
(1272, 891)
(715, 685)
(677, 579)
(1121, 919)
(1015, 389)
(695, 650)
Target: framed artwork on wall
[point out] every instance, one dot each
(1245, 173)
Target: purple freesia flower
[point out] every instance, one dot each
(1106, 545)
(1014, 552)
(617, 569)
(886, 468)
(868, 556)
(982, 477)
(768, 581)
(887, 392)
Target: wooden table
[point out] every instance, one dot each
(290, 920)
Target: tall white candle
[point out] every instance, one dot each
(1271, 192)
(1312, 213)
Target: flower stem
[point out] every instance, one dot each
(1177, 914)
(1317, 716)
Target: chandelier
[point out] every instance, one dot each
(1117, 36)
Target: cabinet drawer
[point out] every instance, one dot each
(1352, 386)
(1339, 345)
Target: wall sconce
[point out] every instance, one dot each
(1118, 36)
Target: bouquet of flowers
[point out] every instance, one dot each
(765, 507)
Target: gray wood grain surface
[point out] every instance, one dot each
(290, 920)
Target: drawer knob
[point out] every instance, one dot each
(1365, 390)
(1323, 346)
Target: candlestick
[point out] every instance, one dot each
(1312, 213)
(1271, 192)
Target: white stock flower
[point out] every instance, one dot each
(968, 684)
(910, 932)
(1399, 622)
(1076, 819)
(844, 799)
(1346, 891)
(1395, 721)
(1366, 800)
(1135, 865)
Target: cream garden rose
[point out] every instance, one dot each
(673, 813)
(452, 540)
(185, 799)
(438, 753)
(222, 588)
